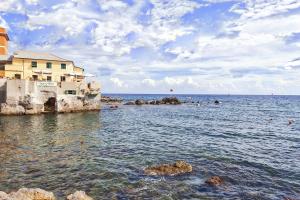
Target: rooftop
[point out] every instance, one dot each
(5, 58)
(38, 56)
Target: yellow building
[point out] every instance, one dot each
(36, 66)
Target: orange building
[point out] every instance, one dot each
(3, 41)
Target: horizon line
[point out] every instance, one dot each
(113, 93)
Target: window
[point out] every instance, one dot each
(17, 76)
(62, 78)
(49, 65)
(63, 66)
(35, 77)
(34, 64)
(72, 92)
(49, 78)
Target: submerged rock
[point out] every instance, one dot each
(179, 167)
(130, 103)
(79, 195)
(214, 181)
(28, 194)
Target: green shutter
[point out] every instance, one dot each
(49, 65)
(33, 64)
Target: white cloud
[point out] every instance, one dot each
(104, 35)
(111, 4)
(256, 9)
(32, 2)
(10, 6)
(117, 82)
(149, 82)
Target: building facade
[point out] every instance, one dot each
(33, 83)
(41, 67)
(36, 66)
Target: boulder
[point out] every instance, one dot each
(130, 103)
(214, 181)
(11, 109)
(106, 99)
(179, 167)
(152, 102)
(28, 194)
(171, 100)
(139, 102)
(79, 195)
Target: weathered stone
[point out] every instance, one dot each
(130, 103)
(214, 181)
(12, 109)
(28, 194)
(152, 102)
(139, 102)
(179, 167)
(171, 100)
(79, 195)
(106, 99)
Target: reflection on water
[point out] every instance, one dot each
(246, 140)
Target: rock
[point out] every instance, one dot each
(290, 121)
(217, 102)
(179, 167)
(214, 181)
(171, 100)
(79, 195)
(11, 109)
(114, 107)
(106, 99)
(152, 102)
(28, 194)
(139, 102)
(130, 103)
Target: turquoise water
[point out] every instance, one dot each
(245, 139)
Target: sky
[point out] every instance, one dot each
(151, 46)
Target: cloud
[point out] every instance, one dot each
(141, 46)
(117, 82)
(10, 6)
(149, 82)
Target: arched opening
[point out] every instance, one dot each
(50, 105)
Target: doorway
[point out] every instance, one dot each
(50, 105)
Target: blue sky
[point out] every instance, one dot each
(150, 46)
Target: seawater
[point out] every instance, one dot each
(245, 139)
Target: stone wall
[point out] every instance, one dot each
(32, 97)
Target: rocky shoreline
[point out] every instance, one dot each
(173, 169)
(115, 102)
(139, 102)
(39, 194)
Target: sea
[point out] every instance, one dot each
(252, 142)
